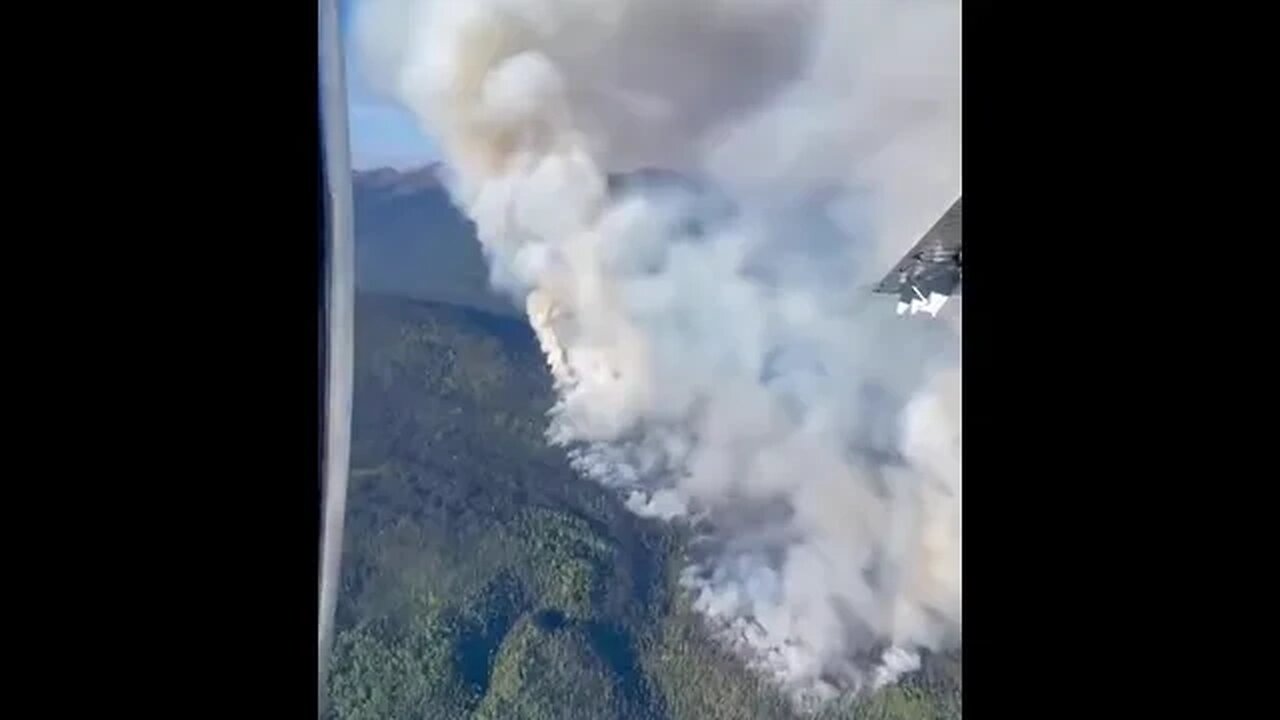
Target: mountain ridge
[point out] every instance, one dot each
(413, 242)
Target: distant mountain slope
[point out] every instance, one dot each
(412, 242)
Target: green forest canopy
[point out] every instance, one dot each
(483, 579)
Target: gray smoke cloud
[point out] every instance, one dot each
(717, 353)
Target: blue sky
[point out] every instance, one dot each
(382, 134)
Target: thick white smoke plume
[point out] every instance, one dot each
(716, 347)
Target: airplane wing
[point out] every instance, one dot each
(932, 266)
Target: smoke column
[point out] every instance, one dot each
(693, 198)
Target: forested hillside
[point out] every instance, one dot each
(482, 579)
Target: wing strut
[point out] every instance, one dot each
(338, 284)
